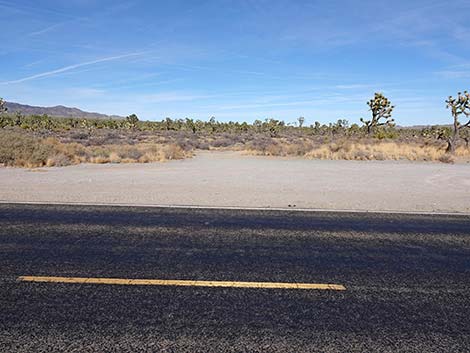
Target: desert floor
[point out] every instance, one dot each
(229, 179)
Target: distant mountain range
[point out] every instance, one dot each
(57, 111)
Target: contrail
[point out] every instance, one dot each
(68, 68)
(46, 29)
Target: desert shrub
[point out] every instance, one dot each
(202, 145)
(335, 147)
(360, 155)
(173, 152)
(296, 149)
(274, 149)
(386, 133)
(222, 142)
(105, 139)
(446, 158)
(132, 153)
(184, 143)
(98, 152)
(58, 160)
(79, 135)
(261, 144)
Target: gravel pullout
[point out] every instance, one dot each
(228, 179)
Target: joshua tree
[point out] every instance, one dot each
(381, 109)
(274, 126)
(213, 124)
(465, 134)
(301, 121)
(3, 106)
(459, 106)
(339, 127)
(132, 121)
(191, 125)
(437, 132)
(168, 123)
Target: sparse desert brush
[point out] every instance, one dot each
(226, 141)
(295, 147)
(22, 150)
(131, 153)
(462, 151)
(58, 160)
(381, 150)
(173, 151)
(27, 148)
(222, 142)
(139, 153)
(447, 158)
(114, 157)
(355, 149)
(261, 145)
(280, 148)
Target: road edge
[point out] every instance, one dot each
(205, 207)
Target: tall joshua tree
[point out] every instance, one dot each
(458, 106)
(3, 106)
(381, 109)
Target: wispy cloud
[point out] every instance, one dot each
(461, 71)
(46, 29)
(70, 67)
(174, 97)
(352, 86)
(454, 74)
(17, 7)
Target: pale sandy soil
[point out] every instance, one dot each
(230, 179)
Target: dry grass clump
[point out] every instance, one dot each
(462, 151)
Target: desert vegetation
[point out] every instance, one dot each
(381, 109)
(34, 141)
(29, 150)
(458, 106)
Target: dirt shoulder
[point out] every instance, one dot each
(229, 179)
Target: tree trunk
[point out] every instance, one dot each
(452, 141)
(450, 145)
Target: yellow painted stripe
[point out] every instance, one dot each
(187, 283)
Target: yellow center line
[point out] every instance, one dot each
(187, 283)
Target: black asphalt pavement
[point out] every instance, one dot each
(407, 280)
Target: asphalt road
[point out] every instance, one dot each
(407, 280)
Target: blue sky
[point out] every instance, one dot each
(236, 59)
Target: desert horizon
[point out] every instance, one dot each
(235, 176)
